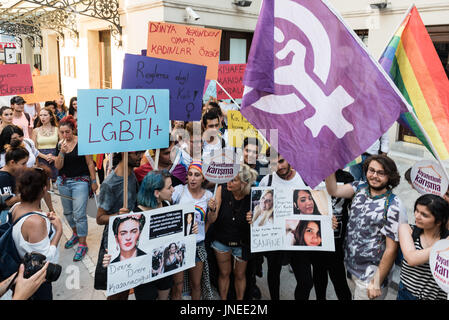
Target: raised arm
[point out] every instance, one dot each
(339, 191)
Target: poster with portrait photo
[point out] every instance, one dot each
(291, 204)
(135, 239)
(266, 235)
(309, 233)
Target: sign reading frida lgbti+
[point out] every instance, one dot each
(122, 120)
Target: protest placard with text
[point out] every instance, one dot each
(230, 76)
(122, 120)
(158, 247)
(185, 44)
(184, 80)
(239, 128)
(46, 88)
(15, 79)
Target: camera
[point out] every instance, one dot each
(34, 261)
(191, 14)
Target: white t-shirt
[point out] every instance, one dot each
(183, 195)
(296, 182)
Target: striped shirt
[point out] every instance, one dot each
(418, 280)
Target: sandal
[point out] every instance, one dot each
(80, 253)
(71, 242)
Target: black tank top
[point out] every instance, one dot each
(231, 224)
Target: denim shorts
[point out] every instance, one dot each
(235, 251)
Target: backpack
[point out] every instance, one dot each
(9, 256)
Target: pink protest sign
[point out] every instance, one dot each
(230, 76)
(15, 79)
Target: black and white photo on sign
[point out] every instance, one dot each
(262, 207)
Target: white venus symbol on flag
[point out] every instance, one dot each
(328, 109)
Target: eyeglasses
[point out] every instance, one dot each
(380, 173)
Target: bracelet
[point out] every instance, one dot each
(93, 181)
(62, 154)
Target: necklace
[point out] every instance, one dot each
(46, 132)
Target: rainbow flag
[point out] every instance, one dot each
(413, 63)
(201, 213)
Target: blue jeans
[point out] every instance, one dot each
(235, 251)
(75, 210)
(404, 294)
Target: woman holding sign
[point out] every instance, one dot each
(76, 179)
(194, 192)
(228, 213)
(431, 217)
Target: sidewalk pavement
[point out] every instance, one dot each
(77, 278)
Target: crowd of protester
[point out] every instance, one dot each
(38, 152)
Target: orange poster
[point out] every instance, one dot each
(185, 43)
(46, 88)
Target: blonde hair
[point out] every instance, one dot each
(247, 176)
(268, 214)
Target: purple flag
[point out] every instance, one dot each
(309, 77)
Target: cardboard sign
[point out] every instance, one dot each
(230, 76)
(46, 88)
(239, 128)
(221, 167)
(439, 264)
(15, 80)
(122, 120)
(185, 44)
(148, 246)
(185, 82)
(428, 177)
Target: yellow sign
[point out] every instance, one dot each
(46, 88)
(239, 128)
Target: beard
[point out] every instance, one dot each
(378, 188)
(286, 174)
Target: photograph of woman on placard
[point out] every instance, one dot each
(127, 233)
(262, 203)
(188, 223)
(173, 256)
(157, 263)
(314, 202)
(304, 233)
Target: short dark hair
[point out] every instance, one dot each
(389, 167)
(50, 103)
(407, 175)
(210, 115)
(254, 141)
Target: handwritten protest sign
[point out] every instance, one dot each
(122, 120)
(184, 80)
(46, 88)
(221, 167)
(439, 264)
(428, 177)
(185, 44)
(157, 248)
(210, 90)
(230, 76)
(15, 80)
(281, 217)
(239, 128)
